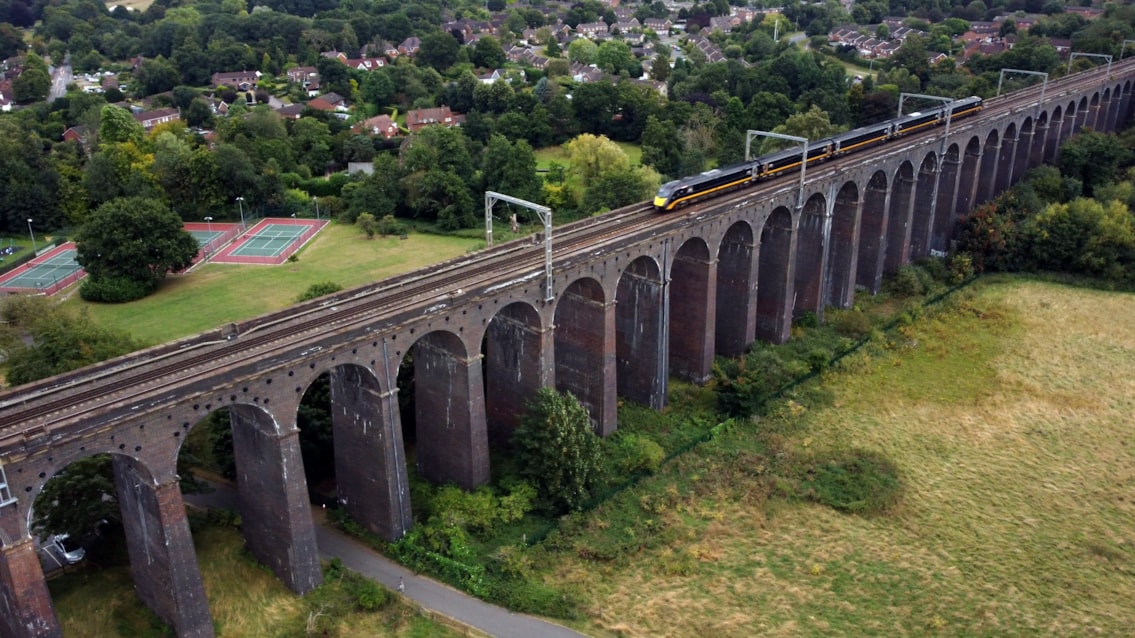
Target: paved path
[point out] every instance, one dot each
(428, 593)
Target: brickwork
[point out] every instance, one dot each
(624, 317)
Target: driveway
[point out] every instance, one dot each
(428, 593)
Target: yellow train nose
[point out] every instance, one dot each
(659, 202)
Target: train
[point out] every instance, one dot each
(680, 192)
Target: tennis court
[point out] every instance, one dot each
(271, 241)
(205, 237)
(211, 237)
(46, 274)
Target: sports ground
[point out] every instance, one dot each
(270, 241)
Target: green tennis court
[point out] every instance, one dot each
(46, 273)
(269, 242)
(205, 237)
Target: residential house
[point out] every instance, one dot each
(291, 111)
(658, 25)
(378, 125)
(418, 119)
(365, 64)
(303, 75)
(410, 46)
(240, 80)
(625, 26)
(80, 134)
(720, 23)
(333, 55)
(591, 29)
(150, 119)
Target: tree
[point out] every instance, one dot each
(438, 50)
(132, 243)
(1086, 236)
(582, 50)
(812, 124)
(116, 124)
(662, 147)
(34, 81)
(321, 289)
(1093, 158)
(593, 156)
(620, 188)
(510, 168)
(488, 54)
(77, 499)
(614, 56)
(57, 341)
(558, 450)
(368, 224)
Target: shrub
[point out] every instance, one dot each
(855, 481)
(115, 289)
(558, 450)
(850, 323)
(906, 283)
(640, 453)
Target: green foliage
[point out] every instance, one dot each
(115, 289)
(60, 342)
(855, 481)
(318, 290)
(1094, 159)
(77, 498)
(480, 511)
(558, 450)
(1086, 237)
(909, 281)
(639, 453)
(136, 239)
(367, 224)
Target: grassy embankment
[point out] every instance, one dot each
(214, 294)
(1008, 415)
(245, 599)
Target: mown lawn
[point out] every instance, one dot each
(214, 294)
(1009, 417)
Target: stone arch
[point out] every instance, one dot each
(585, 350)
(967, 182)
(1068, 128)
(923, 204)
(692, 310)
(1005, 161)
(840, 272)
(736, 313)
(987, 175)
(944, 205)
(1082, 114)
(1024, 146)
(1092, 117)
(898, 218)
(640, 338)
(451, 439)
(1103, 116)
(515, 368)
(369, 453)
(275, 511)
(811, 249)
(1040, 141)
(775, 275)
(1055, 132)
(873, 233)
(163, 562)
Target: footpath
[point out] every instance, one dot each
(432, 596)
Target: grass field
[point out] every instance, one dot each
(245, 600)
(545, 156)
(214, 294)
(1009, 416)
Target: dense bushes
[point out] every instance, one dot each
(1045, 224)
(115, 289)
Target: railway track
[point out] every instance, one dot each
(142, 374)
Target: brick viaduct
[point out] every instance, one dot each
(661, 300)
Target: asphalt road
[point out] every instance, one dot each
(428, 593)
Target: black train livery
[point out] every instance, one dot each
(712, 183)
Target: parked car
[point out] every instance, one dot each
(70, 551)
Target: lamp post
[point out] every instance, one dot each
(316, 200)
(32, 233)
(293, 218)
(240, 203)
(209, 221)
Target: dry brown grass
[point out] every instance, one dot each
(1011, 423)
